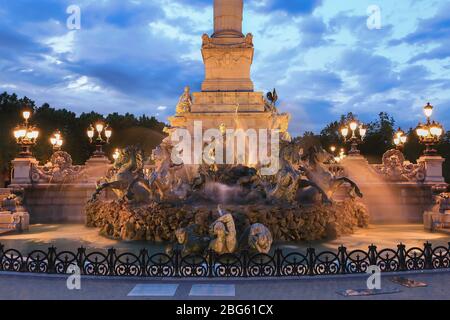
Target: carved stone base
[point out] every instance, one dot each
(158, 222)
(433, 168)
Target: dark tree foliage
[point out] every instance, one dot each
(379, 138)
(127, 130)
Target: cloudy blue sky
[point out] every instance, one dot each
(137, 55)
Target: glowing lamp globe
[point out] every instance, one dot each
(344, 131)
(26, 115)
(428, 110)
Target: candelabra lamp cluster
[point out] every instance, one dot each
(56, 140)
(400, 139)
(338, 156)
(99, 135)
(354, 132)
(116, 154)
(429, 133)
(26, 135)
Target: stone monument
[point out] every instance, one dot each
(228, 99)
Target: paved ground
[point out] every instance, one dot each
(14, 286)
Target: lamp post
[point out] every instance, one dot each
(429, 133)
(357, 132)
(400, 139)
(26, 135)
(56, 141)
(338, 157)
(104, 133)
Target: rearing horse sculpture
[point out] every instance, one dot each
(315, 171)
(127, 181)
(289, 183)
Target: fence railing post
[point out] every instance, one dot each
(311, 253)
(210, 263)
(2, 252)
(245, 263)
(176, 262)
(342, 252)
(278, 261)
(111, 263)
(81, 256)
(401, 252)
(143, 261)
(373, 255)
(51, 259)
(428, 253)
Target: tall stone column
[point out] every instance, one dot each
(228, 15)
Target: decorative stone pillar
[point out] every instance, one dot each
(227, 54)
(97, 167)
(433, 168)
(228, 18)
(21, 174)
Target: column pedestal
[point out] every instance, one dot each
(97, 167)
(21, 174)
(433, 168)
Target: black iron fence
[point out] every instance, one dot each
(244, 264)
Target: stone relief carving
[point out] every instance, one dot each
(222, 237)
(185, 103)
(249, 40)
(395, 168)
(207, 41)
(441, 202)
(59, 169)
(13, 202)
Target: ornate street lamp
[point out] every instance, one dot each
(26, 135)
(116, 154)
(104, 133)
(400, 139)
(338, 155)
(56, 140)
(429, 133)
(358, 132)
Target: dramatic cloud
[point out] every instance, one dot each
(137, 55)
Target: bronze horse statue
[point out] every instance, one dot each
(316, 171)
(127, 177)
(289, 183)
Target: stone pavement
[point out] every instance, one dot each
(24, 286)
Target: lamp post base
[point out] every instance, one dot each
(354, 150)
(25, 153)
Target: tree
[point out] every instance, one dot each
(127, 130)
(379, 138)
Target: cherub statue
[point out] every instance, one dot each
(185, 102)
